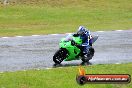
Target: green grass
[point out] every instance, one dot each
(61, 16)
(62, 77)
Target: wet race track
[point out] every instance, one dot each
(33, 52)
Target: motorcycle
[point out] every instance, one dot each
(68, 50)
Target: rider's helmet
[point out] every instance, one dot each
(81, 30)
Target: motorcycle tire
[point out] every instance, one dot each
(59, 56)
(89, 55)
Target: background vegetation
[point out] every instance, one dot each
(21, 17)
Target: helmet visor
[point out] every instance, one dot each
(80, 32)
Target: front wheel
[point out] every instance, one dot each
(60, 55)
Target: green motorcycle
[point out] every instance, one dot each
(68, 51)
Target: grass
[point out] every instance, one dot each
(61, 16)
(62, 77)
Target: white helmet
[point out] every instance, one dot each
(81, 30)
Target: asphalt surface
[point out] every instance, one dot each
(36, 52)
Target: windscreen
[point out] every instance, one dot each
(69, 38)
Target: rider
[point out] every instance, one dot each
(86, 39)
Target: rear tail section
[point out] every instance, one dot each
(94, 38)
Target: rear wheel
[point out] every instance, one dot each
(89, 55)
(59, 56)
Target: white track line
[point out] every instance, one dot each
(68, 33)
(60, 67)
(4, 37)
(54, 34)
(19, 36)
(117, 63)
(48, 68)
(38, 69)
(100, 31)
(1, 72)
(35, 35)
(118, 30)
(57, 34)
